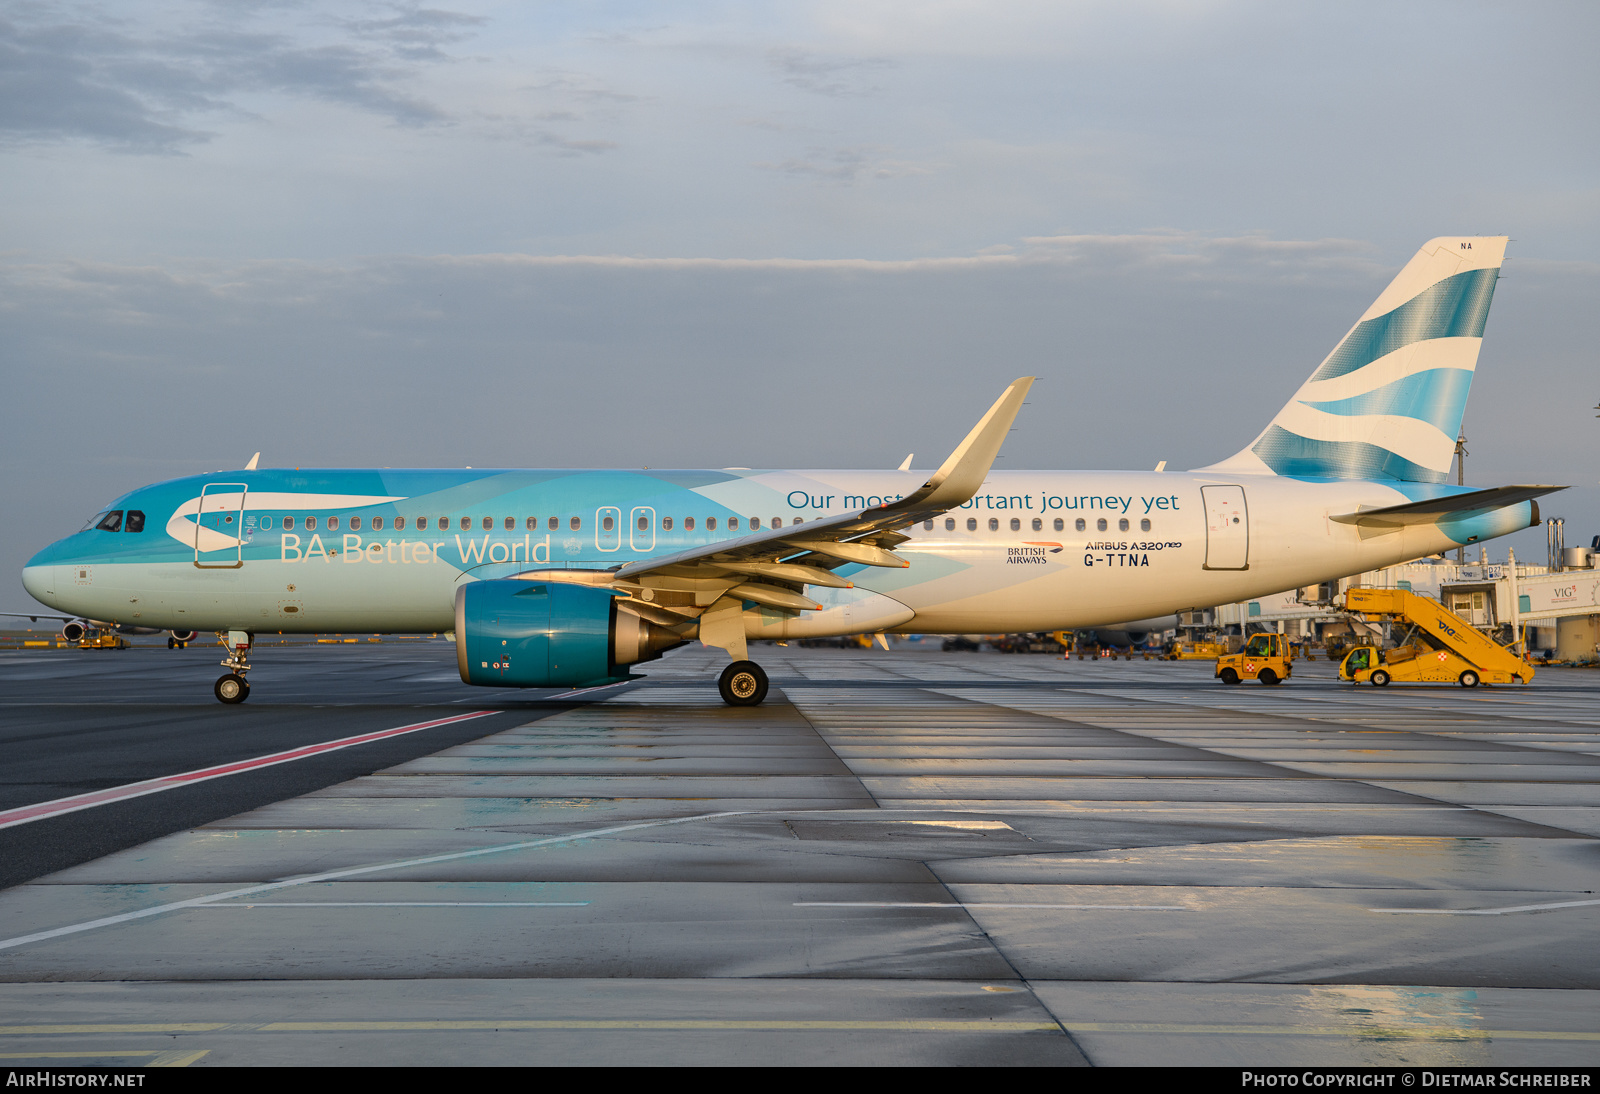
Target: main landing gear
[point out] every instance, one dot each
(743, 684)
(232, 687)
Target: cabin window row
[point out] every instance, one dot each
(1037, 524)
(509, 524)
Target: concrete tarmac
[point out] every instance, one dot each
(901, 858)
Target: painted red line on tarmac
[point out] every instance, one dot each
(55, 808)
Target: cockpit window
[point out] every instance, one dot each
(92, 521)
(111, 522)
(135, 521)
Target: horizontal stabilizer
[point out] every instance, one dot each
(1433, 510)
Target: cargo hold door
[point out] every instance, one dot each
(1227, 528)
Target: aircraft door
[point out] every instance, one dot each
(608, 528)
(1227, 528)
(219, 526)
(642, 528)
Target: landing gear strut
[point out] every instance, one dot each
(232, 687)
(743, 684)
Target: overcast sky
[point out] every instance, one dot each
(800, 234)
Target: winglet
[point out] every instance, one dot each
(963, 473)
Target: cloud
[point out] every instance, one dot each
(91, 79)
(845, 165)
(844, 77)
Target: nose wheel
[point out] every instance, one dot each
(232, 688)
(743, 684)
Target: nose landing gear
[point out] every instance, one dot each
(232, 687)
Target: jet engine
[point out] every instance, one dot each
(536, 634)
(73, 632)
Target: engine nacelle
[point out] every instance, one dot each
(539, 634)
(73, 632)
(185, 636)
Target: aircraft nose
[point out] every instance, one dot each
(39, 580)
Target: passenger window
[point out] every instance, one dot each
(1144, 525)
(972, 524)
(688, 524)
(994, 524)
(711, 524)
(1080, 524)
(666, 524)
(1060, 525)
(733, 524)
(355, 524)
(644, 524)
(399, 524)
(377, 524)
(444, 522)
(777, 522)
(488, 524)
(576, 524)
(606, 524)
(949, 524)
(1038, 525)
(111, 522)
(288, 523)
(422, 524)
(135, 521)
(311, 523)
(553, 524)
(511, 524)
(1016, 524)
(1101, 524)
(755, 524)
(1122, 525)
(927, 526)
(533, 524)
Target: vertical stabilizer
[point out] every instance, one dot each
(1387, 402)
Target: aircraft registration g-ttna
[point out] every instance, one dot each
(568, 578)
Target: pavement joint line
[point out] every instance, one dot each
(407, 904)
(979, 904)
(158, 1057)
(352, 871)
(1520, 908)
(60, 806)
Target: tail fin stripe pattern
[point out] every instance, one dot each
(1303, 457)
(1437, 397)
(1456, 307)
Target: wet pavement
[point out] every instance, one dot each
(901, 857)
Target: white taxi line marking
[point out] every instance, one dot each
(1488, 911)
(985, 904)
(42, 810)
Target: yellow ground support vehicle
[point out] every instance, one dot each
(1265, 657)
(1196, 651)
(1439, 648)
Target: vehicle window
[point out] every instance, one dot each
(1080, 524)
(333, 522)
(1122, 525)
(576, 524)
(733, 524)
(755, 524)
(511, 524)
(688, 524)
(994, 524)
(1144, 525)
(444, 522)
(949, 524)
(666, 524)
(488, 524)
(311, 522)
(606, 524)
(1258, 646)
(91, 522)
(1060, 525)
(377, 524)
(1101, 524)
(288, 522)
(135, 521)
(355, 523)
(711, 524)
(972, 524)
(1016, 524)
(644, 524)
(422, 524)
(554, 523)
(399, 524)
(927, 526)
(111, 522)
(533, 524)
(777, 522)
(1038, 524)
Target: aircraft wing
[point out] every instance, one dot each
(36, 616)
(1433, 510)
(773, 567)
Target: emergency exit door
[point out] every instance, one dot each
(1227, 528)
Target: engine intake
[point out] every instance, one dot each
(536, 634)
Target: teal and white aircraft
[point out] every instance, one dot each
(569, 578)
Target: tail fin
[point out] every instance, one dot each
(1387, 402)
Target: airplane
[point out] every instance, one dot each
(570, 578)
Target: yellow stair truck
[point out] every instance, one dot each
(1440, 647)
